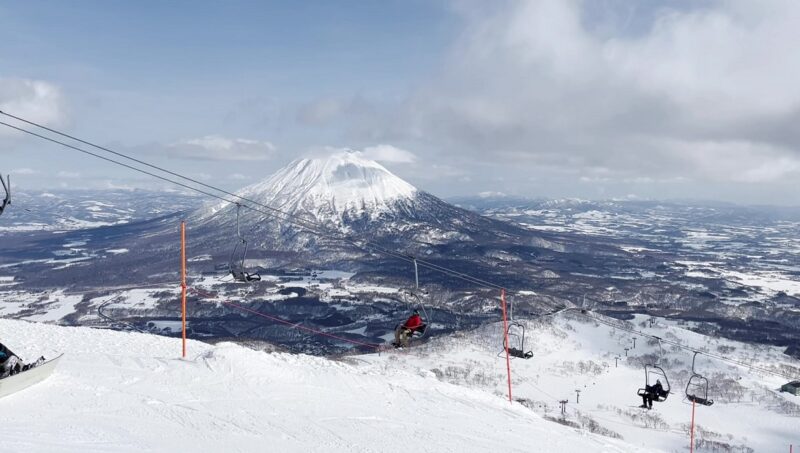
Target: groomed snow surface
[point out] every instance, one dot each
(118, 391)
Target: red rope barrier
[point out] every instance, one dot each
(293, 325)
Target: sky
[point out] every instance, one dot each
(600, 99)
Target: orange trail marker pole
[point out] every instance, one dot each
(183, 284)
(505, 343)
(691, 438)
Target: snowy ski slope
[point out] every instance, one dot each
(573, 352)
(118, 391)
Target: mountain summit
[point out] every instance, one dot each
(348, 193)
(344, 185)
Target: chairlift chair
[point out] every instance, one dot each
(414, 302)
(235, 266)
(697, 387)
(514, 341)
(652, 373)
(7, 190)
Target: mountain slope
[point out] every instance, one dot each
(345, 194)
(133, 394)
(342, 185)
(573, 352)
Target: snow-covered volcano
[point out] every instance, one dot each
(345, 184)
(349, 194)
(340, 188)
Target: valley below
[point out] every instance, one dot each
(722, 269)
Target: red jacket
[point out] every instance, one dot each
(413, 322)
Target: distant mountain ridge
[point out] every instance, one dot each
(68, 210)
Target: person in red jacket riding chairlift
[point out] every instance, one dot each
(404, 331)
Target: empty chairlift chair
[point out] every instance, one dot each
(514, 341)
(236, 266)
(697, 387)
(514, 338)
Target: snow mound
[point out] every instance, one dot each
(118, 391)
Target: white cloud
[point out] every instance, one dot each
(237, 177)
(381, 153)
(319, 112)
(23, 171)
(593, 179)
(735, 61)
(217, 147)
(535, 87)
(68, 174)
(491, 194)
(116, 185)
(389, 153)
(738, 161)
(35, 100)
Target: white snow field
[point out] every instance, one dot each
(129, 392)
